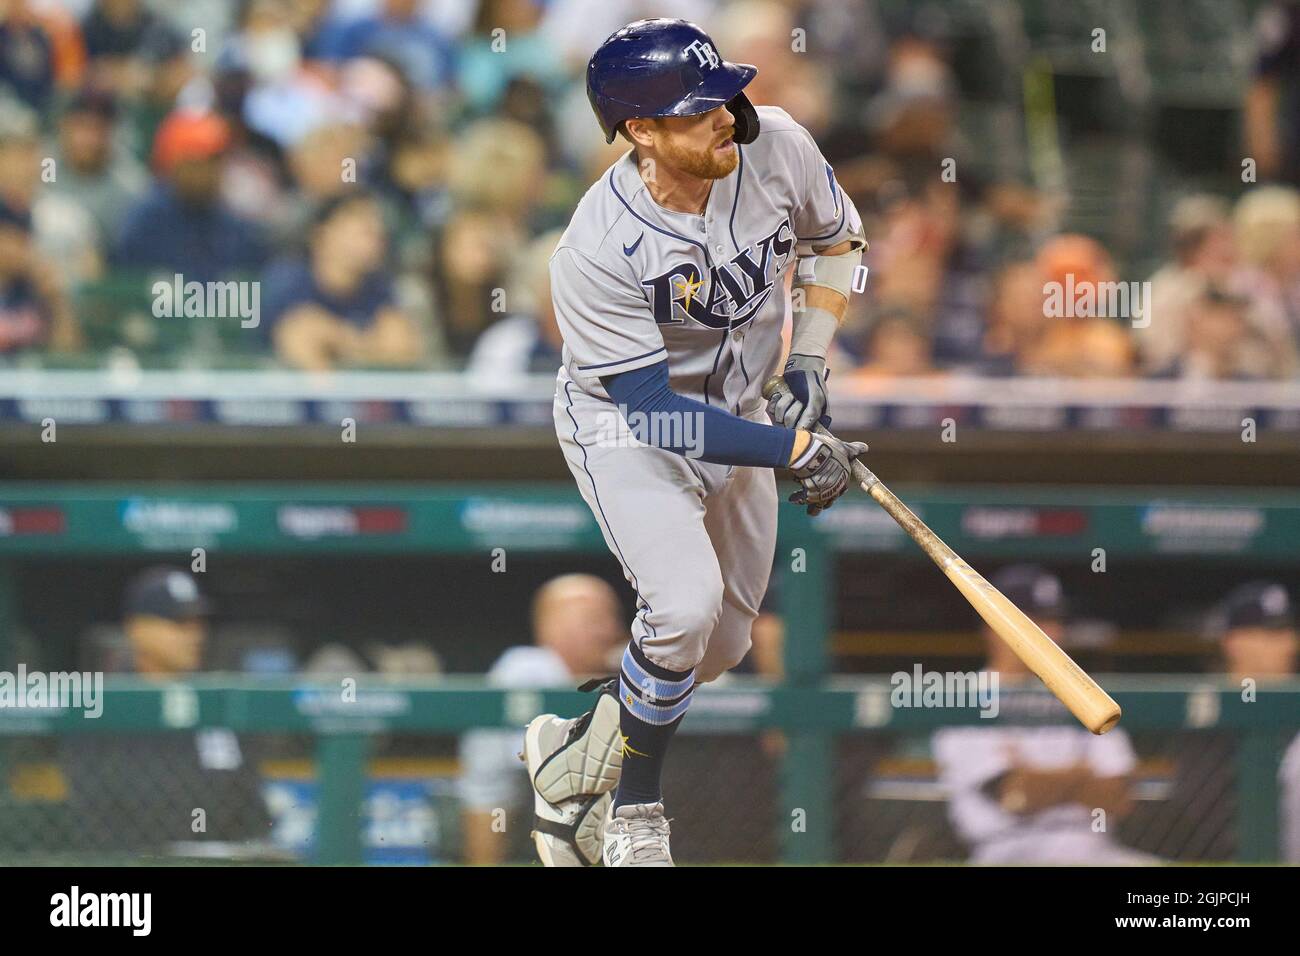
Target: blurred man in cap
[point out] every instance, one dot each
(165, 622)
(184, 226)
(1256, 627)
(166, 793)
(1253, 627)
(1025, 790)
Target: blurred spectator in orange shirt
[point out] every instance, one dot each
(1074, 345)
(66, 42)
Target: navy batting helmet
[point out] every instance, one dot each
(666, 67)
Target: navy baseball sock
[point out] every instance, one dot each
(652, 702)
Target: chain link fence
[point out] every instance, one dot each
(210, 795)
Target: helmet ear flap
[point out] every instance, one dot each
(746, 116)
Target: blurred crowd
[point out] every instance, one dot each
(394, 173)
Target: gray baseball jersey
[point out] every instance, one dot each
(635, 284)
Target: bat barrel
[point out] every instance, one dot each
(1093, 707)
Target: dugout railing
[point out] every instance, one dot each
(811, 720)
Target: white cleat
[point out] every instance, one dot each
(572, 766)
(637, 835)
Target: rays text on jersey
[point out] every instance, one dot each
(734, 291)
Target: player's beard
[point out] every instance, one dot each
(702, 164)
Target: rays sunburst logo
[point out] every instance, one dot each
(627, 749)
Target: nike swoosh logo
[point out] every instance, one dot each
(628, 250)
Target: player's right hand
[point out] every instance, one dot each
(803, 402)
(823, 470)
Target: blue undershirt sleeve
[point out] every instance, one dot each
(658, 416)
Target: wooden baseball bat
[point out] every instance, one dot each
(1093, 707)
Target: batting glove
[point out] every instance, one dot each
(805, 402)
(823, 470)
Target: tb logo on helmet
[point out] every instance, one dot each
(705, 53)
(645, 70)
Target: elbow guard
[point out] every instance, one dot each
(830, 272)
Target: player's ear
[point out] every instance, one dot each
(640, 131)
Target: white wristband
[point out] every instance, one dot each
(814, 446)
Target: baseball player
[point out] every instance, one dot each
(668, 288)
(1256, 627)
(1021, 790)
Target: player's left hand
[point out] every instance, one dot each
(803, 404)
(824, 470)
